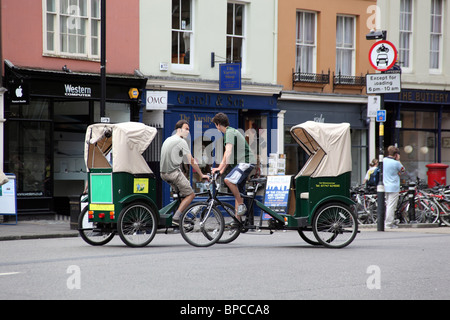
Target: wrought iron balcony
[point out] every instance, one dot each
(342, 80)
(311, 78)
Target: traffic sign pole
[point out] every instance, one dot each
(382, 56)
(381, 206)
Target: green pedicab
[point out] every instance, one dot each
(122, 188)
(319, 199)
(322, 187)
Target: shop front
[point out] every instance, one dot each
(418, 122)
(254, 115)
(47, 113)
(300, 108)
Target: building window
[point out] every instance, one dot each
(235, 32)
(345, 45)
(72, 28)
(436, 34)
(305, 42)
(182, 34)
(405, 33)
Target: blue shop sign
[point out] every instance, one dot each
(229, 76)
(221, 100)
(419, 96)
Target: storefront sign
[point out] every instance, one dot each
(213, 100)
(229, 76)
(20, 92)
(77, 91)
(420, 96)
(156, 100)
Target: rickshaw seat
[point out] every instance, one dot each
(145, 175)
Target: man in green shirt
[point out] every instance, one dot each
(237, 154)
(173, 151)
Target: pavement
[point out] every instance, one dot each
(37, 229)
(42, 229)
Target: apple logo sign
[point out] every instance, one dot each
(19, 92)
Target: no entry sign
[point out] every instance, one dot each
(382, 55)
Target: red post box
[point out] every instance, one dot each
(437, 173)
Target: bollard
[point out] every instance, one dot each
(381, 207)
(412, 205)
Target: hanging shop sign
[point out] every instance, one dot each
(156, 100)
(229, 76)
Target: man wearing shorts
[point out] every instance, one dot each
(173, 151)
(237, 154)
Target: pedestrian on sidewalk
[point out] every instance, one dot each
(392, 169)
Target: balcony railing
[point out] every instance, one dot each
(311, 78)
(342, 80)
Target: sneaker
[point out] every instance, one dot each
(175, 222)
(242, 209)
(391, 226)
(396, 222)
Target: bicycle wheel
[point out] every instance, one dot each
(137, 224)
(232, 229)
(445, 218)
(402, 212)
(426, 211)
(334, 225)
(201, 225)
(90, 233)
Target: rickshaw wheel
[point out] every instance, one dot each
(91, 235)
(137, 224)
(308, 236)
(335, 225)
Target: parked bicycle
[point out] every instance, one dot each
(365, 206)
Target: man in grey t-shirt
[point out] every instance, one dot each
(173, 151)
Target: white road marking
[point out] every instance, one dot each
(8, 273)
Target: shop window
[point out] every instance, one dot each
(29, 157)
(116, 112)
(37, 109)
(360, 163)
(418, 119)
(417, 149)
(71, 119)
(72, 28)
(182, 32)
(445, 138)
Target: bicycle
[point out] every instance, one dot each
(365, 206)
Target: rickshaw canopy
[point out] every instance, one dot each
(123, 142)
(328, 146)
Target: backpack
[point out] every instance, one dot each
(374, 177)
